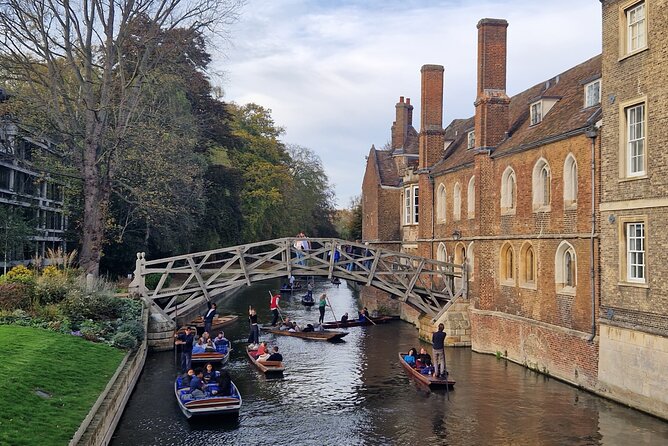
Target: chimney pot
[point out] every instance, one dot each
(408, 101)
(401, 99)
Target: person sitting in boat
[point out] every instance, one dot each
(364, 315)
(261, 350)
(199, 346)
(423, 362)
(221, 342)
(308, 328)
(344, 318)
(296, 326)
(286, 325)
(411, 357)
(197, 385)
(223, 385)
(210, 374)
(186, 378)
(275, 356)
(210, 347)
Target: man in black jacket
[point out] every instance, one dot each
(438, 345)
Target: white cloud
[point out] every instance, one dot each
(332, 71)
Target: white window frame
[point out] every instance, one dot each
(470, 198)
(536, 110)
(470, 139)
(636, 139)
(508, 191)
(636, 255)
(592, 93)
(457, 202)
(542, 179)
(636, 27)
(570, 181)
(561, 268)
(407, 206)
(416, 203)
(441, 204)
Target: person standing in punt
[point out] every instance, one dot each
(322, 305)
(208, 318)
(273, 306)
(438, 346)
(186, 340)
(254, 337)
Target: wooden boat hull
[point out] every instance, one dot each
(308, 303)
(211, 405)
(212, 357)
(358, 323)
(427, 380)
(266, 367)
(331, 336)
(218, 322)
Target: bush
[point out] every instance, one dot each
(14, 296)
(124, 340)
(18, 274)
(79, 306)
(152, 280)
(130, 309)
(51, 271)
(135, 328)
(50, 289)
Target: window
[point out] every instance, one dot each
(508, 190)
(565, 262)
(636, 28)
(470, 140)
(415, 204)
(460, 259)
(593, 93)
(635, 140)
(440, 203)
(507, 266)
(469, 261)
(527, 265)
(407, 206)
(470, 198)
(5, 177)
(457, 203)
(541, 185)
(635, 252)
(536, 112)
(441, 253)
(570, 181)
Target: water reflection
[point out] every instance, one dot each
(356, 393)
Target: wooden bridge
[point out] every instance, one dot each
(187, 281)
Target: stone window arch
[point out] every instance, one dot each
(508, 191)
(470, 198)
(528, 265)
(441, 253)
(460, 258)
(457, 202)
(470, 256)
(541, 181)
(507, 264)
(440, 203)
(570, 181)
(565, 268)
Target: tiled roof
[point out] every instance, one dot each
(387, 168)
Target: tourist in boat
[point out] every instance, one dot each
(411, 357)
(308, 328)
(344, 318)
(208, 318)
(224, 384)
(438, 347)
(423, 362)
(221, 342)
(210, 374)
(275, 356)
(200, 346)
(262, 349)
(210, 347)
(205, 337)
(322, 304)
(364, 315)
(286, 324)
(186, 340)
(254, 337)
(197, 385)
(186, 378)
(273, 306)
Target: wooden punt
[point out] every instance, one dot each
(218, 322)
(212, 357)
(290, 290)
(357, 322)
(209, 405)
(308, 302)
(331, 336)
(427, 380)
(266, 367)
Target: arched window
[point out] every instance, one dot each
(470, 198)
(441, 253)
(527, 265)
(507, 264)
(565, 262)
(570, 181)
(469, 261)
(460, 258)
(508, 191)
(440, 203)
(457, 203)
(541, 185)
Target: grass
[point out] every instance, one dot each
(73, 371)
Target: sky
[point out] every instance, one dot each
(332, 71)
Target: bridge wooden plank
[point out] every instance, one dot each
(411, 284)
(242, 262)
(373, 267)
(199, 279)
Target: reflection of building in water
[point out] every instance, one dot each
(29, 194)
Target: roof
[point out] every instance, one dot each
(387, 168)
(567, 115)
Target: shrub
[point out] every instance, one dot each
(79, 305)
(14, 296)
(51, 271)
(50, 289)
(135, 328)
(152, 280)
(130, 309)
(124, 340)
(19, 274)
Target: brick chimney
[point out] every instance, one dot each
(492, 102)
(403, 121)
(431, 115)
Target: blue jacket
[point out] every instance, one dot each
(196, 383)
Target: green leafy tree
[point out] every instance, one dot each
(16, 227)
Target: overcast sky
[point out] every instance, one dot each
(332, 71)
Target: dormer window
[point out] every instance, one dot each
(536, 112)
(470, 137)
(593, 93)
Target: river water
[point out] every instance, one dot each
(356, 393)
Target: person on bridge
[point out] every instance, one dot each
(322, 305)
(438, 346)
(208, 318)
(254, 337)
(273, 306)
(186, 340)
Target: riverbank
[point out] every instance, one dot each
(51, 382)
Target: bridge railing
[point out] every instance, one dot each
(187, 281)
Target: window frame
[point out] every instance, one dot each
(562, 268)
(536, 112)
(640, 25)
(507, 265)
(508, 192)
(407, 206)
(542, 186)
(570, 181)
(441, 204)
(587, 93)
(470, 139)
(470, 198)
(640, 141)
(528, 264)
(416, 204)
(457, 202)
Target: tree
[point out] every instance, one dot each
(84, 65)
(15, 232)
(355, 225)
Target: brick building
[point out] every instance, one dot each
(508, 191)
(634, 205)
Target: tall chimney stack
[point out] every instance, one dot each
(431, 115)
(492, 102)
(404, 116)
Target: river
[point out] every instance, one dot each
(356, 393)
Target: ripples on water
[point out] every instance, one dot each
(356, 393)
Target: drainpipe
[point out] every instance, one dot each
(591, 133)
